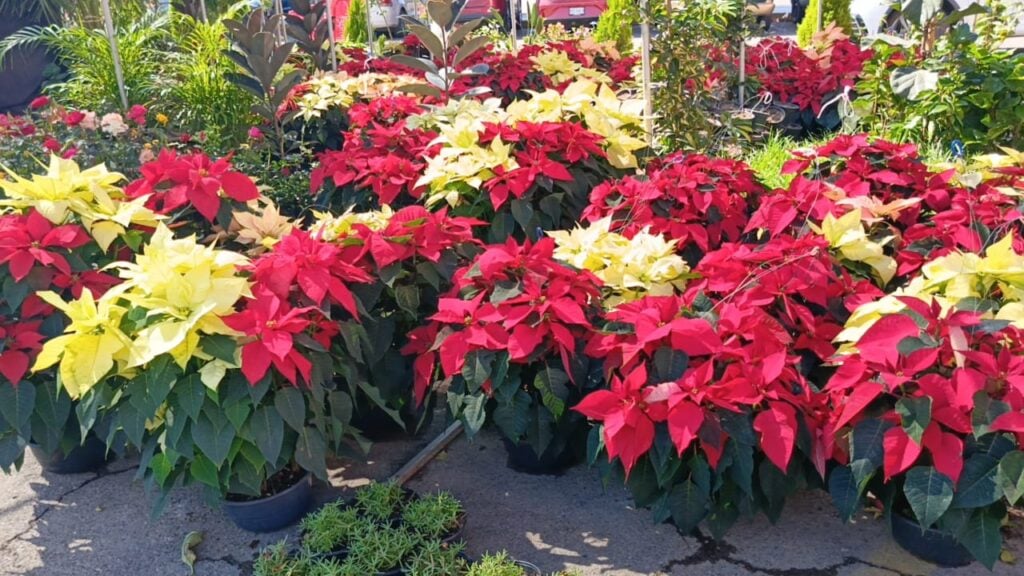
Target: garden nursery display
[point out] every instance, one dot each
(242, 243)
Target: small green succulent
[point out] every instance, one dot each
(379, 501)
(276, 560)
(381, 549)
(433, 516)
(499, 564)
(331, 528)
(436, 559)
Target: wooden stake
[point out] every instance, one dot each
(406, 472)
(645, 58)
(369, 29)
(108, 22)
(330, 35)
(514, 16)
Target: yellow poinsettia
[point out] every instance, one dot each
(91, 345)
(64, 188)
(261, 227)
(339, 90)
(630, 268)
(846, 236)
(557, 65)
(462, 161)
(106, 218)
(329, 227)
(186, 288)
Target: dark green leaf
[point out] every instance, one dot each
(986, 410)
(311, 452)
(213, 436)
(204, 471)
(552, 384)
(689, 505)
(845, 492)
(474, 413)
(1011, 476)
(513, 417)
(222, 347)
(981, 536)
(291, 405)
(978, 485)
(929, 494)
(17, 404)
(915, 415)
(669, 365)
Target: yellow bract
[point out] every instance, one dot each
(631, 268)
(92, 195)
(186, 288)
(557, 65)
(330, 228)
(91, 344)
(339, 90)
(846, 235)
(260, 228)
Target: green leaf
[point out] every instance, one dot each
(408, 298)
(132, 421)
(986, 410)
(513, 417)
(1011, 476)
(552, 385)
(981, 536)
(866, 441)
(222, 347)
(162, 467)
(689, 505)
(190, 393)
(845, 492)
(474, 413)
(523, 213)
(213, 437)
(237, 414)
(477, 368)
(978, 484)
(910, 83)
(291, 405)
(929, 493)
(505, 290)
(311, 452)
(919, 12)
(17, 404)
(915, 415)
(204, 471)
(669, 365)
(267, 429)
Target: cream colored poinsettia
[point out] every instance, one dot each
(260, 228)
(63, 189)
(630, 268)
(557, 65)
(330, 228)
(846, 235)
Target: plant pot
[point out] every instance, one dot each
(932, 545)
(522, 458)
(91, 455)
(791, 113)
(530, 569)
(795, 130)
(456, 534)
(377, 426)
(274, 512)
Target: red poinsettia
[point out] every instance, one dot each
(32, 239)
(19, 344)
(173, 181)
(272, 325)
(415, 232)
(512, 297)
(312, 267)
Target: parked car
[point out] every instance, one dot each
(875, 17)
(571, 11)
(387, 14)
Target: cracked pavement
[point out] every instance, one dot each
(100, 523)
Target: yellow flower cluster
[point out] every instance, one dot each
(184, 289)
(631, 268)
(66, 192)
(950, 280)
(330, 228)
(339, 90)
(846, 236)
(557, 65)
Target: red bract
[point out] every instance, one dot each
(511, 297)
(387, 159)
(311, 267)
(272, 324)
(806, 78)
(693, 199)
(19, 344)
(31, 239)
(172, 181)
(384, 111)
(950, 366)
(415, 232)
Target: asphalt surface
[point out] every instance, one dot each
(99, 523)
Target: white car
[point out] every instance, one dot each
(875, 17)
(387, 14)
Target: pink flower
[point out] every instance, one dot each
(74, 118)
(70, 153)
(146, 155)
(51, 144)
(113, 124)
(137, 114)
(89, 121)
(40, 102)
(185, 138)
(255, 134)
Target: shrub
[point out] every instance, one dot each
(356, 24)
(616, 24)
(836, 12)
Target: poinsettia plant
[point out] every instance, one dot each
(708, 414)
(410, 255)
(929, 418)
(58, 231)
(508, 340)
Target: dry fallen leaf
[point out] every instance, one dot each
(188, 556)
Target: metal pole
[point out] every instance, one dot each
(513, 14)
(743, 70)
(369, 30)
(108, 21)
(281, 32)
(645, 57)
(330, 35)
(202, 10)
(821, 15)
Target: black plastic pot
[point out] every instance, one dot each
(91, 455)
(554, 461)
(275, 512)
(377, 426)
(530, 569)
(932, 545)
(456, 534)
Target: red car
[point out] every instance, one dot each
(575, 11)
(474, 9)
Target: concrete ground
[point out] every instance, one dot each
(99, 523)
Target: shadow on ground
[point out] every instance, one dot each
(99, 524)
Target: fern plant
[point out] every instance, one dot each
(85, 52)
(836, 11)
(355, 24)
